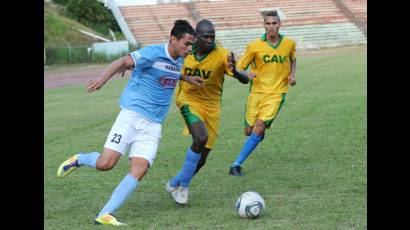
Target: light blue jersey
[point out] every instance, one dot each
(151, 86)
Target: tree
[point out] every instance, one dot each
(91, 13)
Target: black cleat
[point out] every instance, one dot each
(236, 171)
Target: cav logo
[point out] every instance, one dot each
(168, 82)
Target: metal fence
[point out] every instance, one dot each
(83, 54)
(67, 55)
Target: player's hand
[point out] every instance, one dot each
(94, 84)
(196, 81)
(231, 61)
(251, 75)
(291, 80)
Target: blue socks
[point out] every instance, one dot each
(250, 144)
(88, 159)
(124, 190)
(185, 175)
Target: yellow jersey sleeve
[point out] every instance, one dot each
(246, 59)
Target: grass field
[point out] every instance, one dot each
(311, 169)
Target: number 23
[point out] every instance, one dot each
(116, 138)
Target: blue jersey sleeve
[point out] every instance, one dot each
(143, 58)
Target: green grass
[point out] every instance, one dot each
(311, 169)
(58, 30)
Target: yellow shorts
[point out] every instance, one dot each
(193, 111)
(263, 106)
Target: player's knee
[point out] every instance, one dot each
(200, 140)
(104, 165)
(259, 124)
(259, 128)
(139, 172)
(247, 131)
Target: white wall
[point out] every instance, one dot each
(111, 48)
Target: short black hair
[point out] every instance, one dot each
(272, 13)
(203, 23)
(182, 27)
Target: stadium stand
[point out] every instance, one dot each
(359, 10)
(312, 23)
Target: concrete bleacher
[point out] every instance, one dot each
(306, 36)
(358, 8)
(312, 23)
(235, 14)
(151, 24)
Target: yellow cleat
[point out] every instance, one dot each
(108, 219)
(68, 166)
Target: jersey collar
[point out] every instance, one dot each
(194, 47)
(168, 55)
(263, 38)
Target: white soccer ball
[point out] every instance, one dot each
(250, 205)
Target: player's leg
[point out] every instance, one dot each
(192, 156)
(107, 160)
(115, 145)
(212, 125)
(199, 134)
(248, 130)
(138, 169)
(269, 105)
(204, 154)
(142, 154)
(102, 162)
(251, 116)
(250, 144)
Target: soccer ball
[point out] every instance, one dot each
(250, 205)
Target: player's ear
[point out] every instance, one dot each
(173, 39)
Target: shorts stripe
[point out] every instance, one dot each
(189, 117)
(246, 106)
(268, 123)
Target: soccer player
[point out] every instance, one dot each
(200, 107)
(144, 106)
(274, 62)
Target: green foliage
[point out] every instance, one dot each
(310, 168)
(92, 13)
(59, 30)
(61, 2)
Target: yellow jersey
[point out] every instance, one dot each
(212, 68)
(270, 63)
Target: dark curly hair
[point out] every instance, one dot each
(182, 27)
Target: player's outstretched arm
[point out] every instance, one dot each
(117, 66)
(242, 76)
